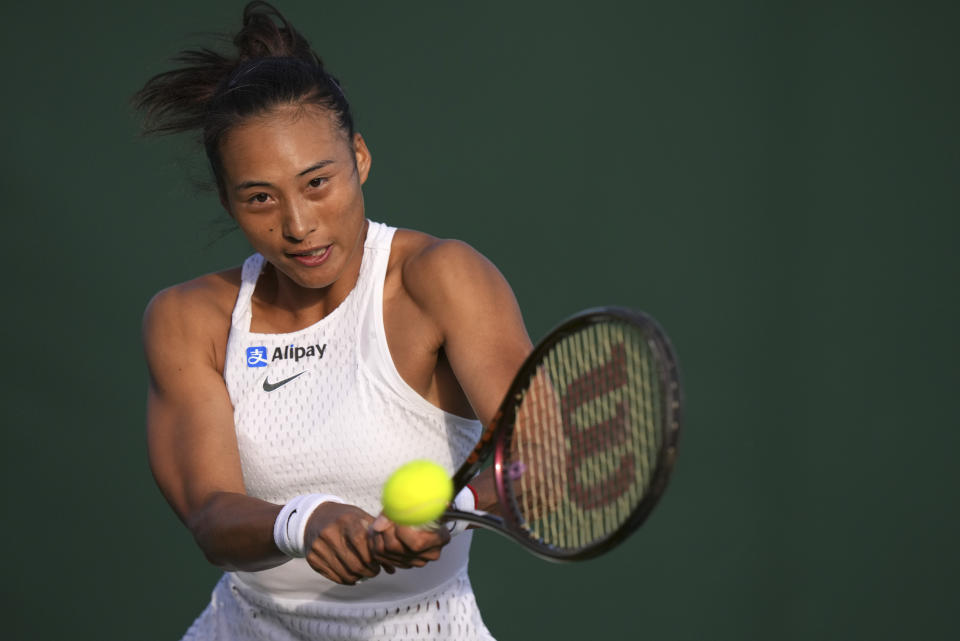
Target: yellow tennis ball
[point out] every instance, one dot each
(417, 493)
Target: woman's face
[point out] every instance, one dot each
(293, 184)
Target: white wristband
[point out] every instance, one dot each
(291, 524)
(465, 501)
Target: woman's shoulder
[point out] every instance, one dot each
(413, 251)
(199, 308)
(427, 264)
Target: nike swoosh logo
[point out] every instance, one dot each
(269, 387)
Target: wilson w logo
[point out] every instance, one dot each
(596, 474)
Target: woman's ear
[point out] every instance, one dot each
(362, 157)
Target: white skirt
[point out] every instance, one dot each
(238, 612)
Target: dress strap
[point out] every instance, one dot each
(242, 314)
(379, 236)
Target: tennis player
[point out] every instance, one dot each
(284, 392)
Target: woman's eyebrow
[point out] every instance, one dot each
(315, 166)
(262, 183)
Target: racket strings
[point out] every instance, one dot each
(587, 435)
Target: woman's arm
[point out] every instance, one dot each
(480, 325)
(194, 456)
(474, 318)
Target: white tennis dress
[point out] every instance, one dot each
(323, 409)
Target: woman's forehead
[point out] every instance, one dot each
(286, 136)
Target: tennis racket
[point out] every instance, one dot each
(585, 439)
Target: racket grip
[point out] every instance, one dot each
(465, 501)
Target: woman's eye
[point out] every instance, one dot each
(259, 198)
(317, 182)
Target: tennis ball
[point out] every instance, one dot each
(417, 493)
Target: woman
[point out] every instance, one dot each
(283, 393)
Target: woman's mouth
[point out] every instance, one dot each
(311, 257)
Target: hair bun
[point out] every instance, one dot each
(267, 34)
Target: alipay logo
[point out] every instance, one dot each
(256, 357)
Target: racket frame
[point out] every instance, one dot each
(496, 438)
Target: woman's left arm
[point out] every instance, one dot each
(477, 319)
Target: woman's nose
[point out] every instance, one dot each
(298, 222)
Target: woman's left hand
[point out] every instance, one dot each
(403, 546)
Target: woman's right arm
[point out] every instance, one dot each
(194, 457)
(190, 434)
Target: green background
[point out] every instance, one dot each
(777, 183)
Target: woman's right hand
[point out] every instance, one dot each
(339, 547)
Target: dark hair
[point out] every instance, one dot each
(273, 65)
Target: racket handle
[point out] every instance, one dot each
(464, 501)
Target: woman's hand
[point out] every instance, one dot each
(339, 547)
(401, 546)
